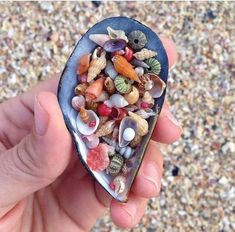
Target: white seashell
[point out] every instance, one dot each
(139, 63)
(131, 108)
(118, 101)
(110, 70)
(91, 141)
(158, 88)
(103, 97)
(129, 152)
(78, 102)
(145, 113)
(119, 183)
(84, 128)
(149, 85)
(139, 71)
(128, 134)
(108, 103)
(148, 98)
(99, 39)
(117, 34)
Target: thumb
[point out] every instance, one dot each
(40, 157)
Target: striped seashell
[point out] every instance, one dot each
(154, 66)
(122, 84)
(84, 115)
(144, 54)
(106, 128)
(115, 165)
(117, 34)
(137, 39)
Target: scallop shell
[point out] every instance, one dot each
(80, 89)
(110, 70)
(137, 39)
(148, 98)
(119, 184)
(109, 85)
(91, 105)
(99, 39)
(106, 128)
(117, 34)
(139, 71)
(102, 97)
(118, 101)
(144, 54)
(114, 45)
(142, 124)
(158, 88)
(83, 64)
(122, 84)
(133, 96)
(91, 141)
(126, 123)
(96, 66)
(136, 141)
(154, 66)
(146, 83)
(139, 63)
(94, 90)
(115, 165)
(123, 67)
(78, 102)
(84, 128)
(145, 113)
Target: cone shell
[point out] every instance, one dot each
(84, 115)
(96, 66)
(106, 129)
(109, 86)
(144, 54)
(142, 124)
(148, 98)
(80, 89)
(116, 34)
(133, 96)
(83, 64)
(123, 67)
(115, 165)
(136, 141)
(91, 105)
(158, 88)
(99, 39)
(94, 90)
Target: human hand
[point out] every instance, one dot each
(44, 187)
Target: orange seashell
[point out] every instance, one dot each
(84, 115)
(94, 89)
(83, 64)
(123, 67)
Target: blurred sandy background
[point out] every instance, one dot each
(198, 190)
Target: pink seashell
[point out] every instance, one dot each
(78, 102)
(91, 141)
(82, 78)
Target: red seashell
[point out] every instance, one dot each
(92, 124)
(145, 105)
(118, 114)
(104, 110)
(128, 54)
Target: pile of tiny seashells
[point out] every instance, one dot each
(118, 85)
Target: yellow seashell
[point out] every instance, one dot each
(123, 67)
(142, 124)
(148, 98)
(133, 96)
(106, 129)
(84, 115)
(144, 54)
(97, 64)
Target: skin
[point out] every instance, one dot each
(44, 187)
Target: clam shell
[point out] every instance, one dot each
(117, 34)
(118, 101)
(110, 70)
(99, 39)
(84, 128)
(158, 88)
(114, 45)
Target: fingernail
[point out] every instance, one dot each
(170, 116)
(151, 175)
(41, 118)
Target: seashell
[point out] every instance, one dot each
(78, 102)
(139, 63)
(148, 98)
(146, 83)
(144, 54)
(137, 39)
(109, 85)
(145, 113)
(99, 39)
(122, 84)
(83, 64)
(136, 141)
(118, 184)
(80, 89)
(118, 101)
(108, 103)
(158, 88)
(96, 66)
(127, 151)
(114, 45)
(142, 124)
(83, 78)
(110, 141)
(84, 115)
(143, 105)
(117, 34)
(122, 66)
(127, 131)
(106, 128)
(91, 141)
(103, 119)
(115, 165)
(84, 128)
(91, 105)
(128, 54)
(139, 71)
(110, 70)
(154, 66)
(94, 90)
(102, 97)
(98, 158)
(104, 110)
(133, 96)
(115, 133)
(118, 114)
(131, 108)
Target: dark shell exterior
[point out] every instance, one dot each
(69, 81)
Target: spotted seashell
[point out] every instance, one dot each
(144, 54)
(115, 165)
(119, 184)
(154, 66)
(80, 89)
(78, 102)
(139, 63)
(136, 141)
(145, 113)
(122, 84)
(137, 39)
(110, 70)
(116, 34)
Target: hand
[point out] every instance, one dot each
(44, 187)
